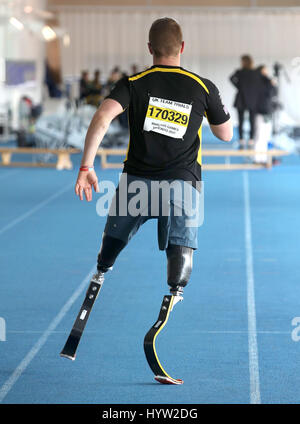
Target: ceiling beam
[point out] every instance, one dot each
(199, 3)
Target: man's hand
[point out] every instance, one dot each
(85, 181)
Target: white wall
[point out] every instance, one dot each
(104, 37)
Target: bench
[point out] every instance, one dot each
(63, 157)
(227, 153)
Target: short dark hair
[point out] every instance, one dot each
(165, 37)
(247, 61)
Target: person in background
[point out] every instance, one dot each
(52, 80)
(264, 109)
(247, 82)
(96, 83)
(84, 89)
(95, 90)
(113, 78)
(134, 69)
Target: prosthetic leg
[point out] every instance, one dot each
(110, 249)
(179, 271)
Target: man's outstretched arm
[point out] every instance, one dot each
(223, 131)
(108, 110)
(217, 115)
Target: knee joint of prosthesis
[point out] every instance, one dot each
(110, 249)
(180, 263)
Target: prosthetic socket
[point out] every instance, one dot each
(180, 263)
(179, 268)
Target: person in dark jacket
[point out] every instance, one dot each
(247, 81)
(266, 93)
(263, 121)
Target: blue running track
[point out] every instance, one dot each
(230, 340)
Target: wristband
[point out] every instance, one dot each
(86, 168)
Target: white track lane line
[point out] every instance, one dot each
(198, 332)
(9, 173)
(34, 209)
(252, 333)
(10, 382)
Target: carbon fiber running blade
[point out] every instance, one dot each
(149, 343)
(69, 350)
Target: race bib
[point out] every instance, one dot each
(167, 117)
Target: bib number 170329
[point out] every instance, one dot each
(167, 117)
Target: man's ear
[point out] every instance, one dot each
(150, 48)
(182, 47)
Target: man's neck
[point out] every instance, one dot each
(167, 61)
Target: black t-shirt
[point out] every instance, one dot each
(166, 106)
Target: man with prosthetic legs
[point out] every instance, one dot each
(166, 107)
(179, 267)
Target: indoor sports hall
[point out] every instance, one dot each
(235, 336)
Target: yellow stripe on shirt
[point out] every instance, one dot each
(199, 157)
(175, 70)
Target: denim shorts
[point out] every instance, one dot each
(175, 204)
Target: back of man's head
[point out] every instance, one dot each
(165, 37)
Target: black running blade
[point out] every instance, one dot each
(69, 350)
(149, 344)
